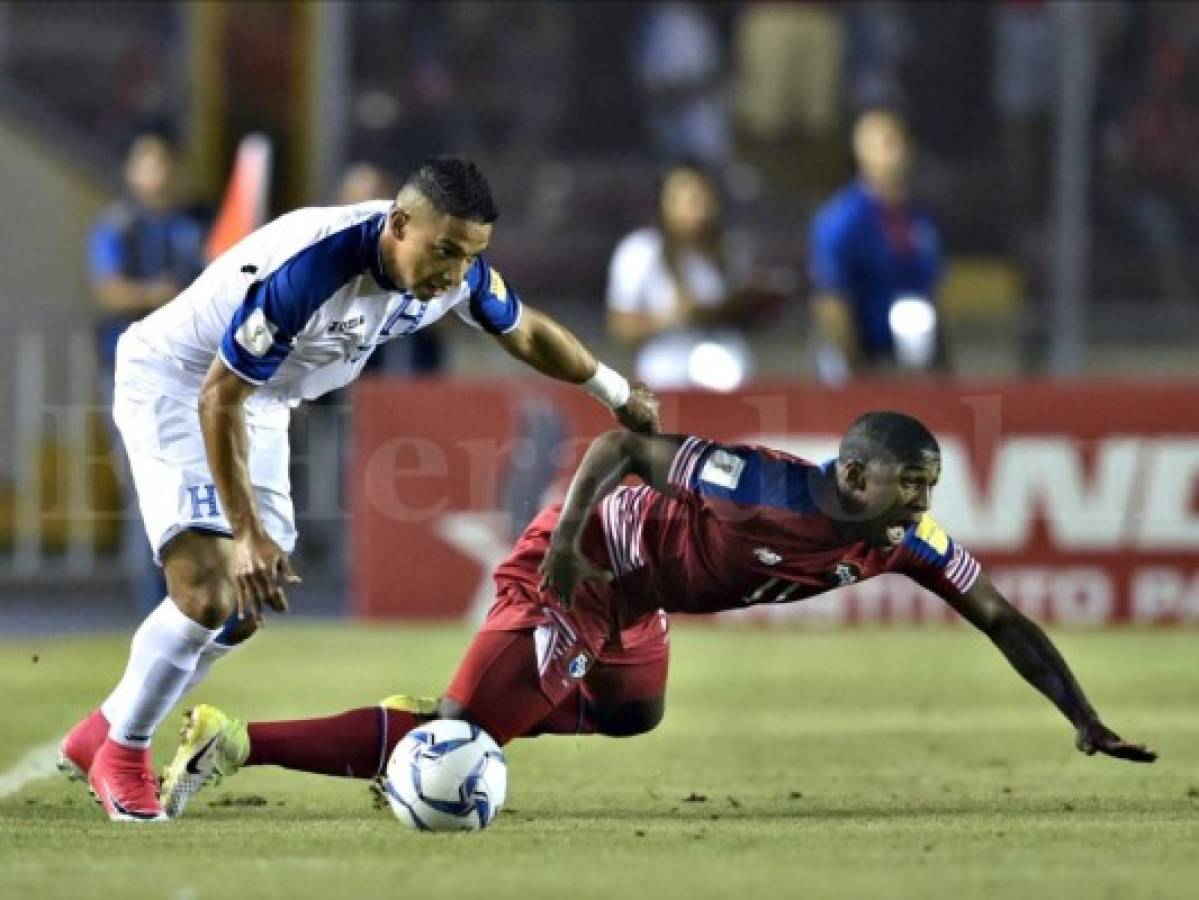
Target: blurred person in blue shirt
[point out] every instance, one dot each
(145, 249)
(876, 263)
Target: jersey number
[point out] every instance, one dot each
(769, 592)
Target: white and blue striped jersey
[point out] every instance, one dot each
(296, 308)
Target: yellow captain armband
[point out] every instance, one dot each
(497, 286)
(930, 532)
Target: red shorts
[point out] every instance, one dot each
(505, 686)
(532, 658)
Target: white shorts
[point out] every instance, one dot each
(175, 489)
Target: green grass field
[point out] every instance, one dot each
(870, 764)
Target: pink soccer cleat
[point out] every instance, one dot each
(78, 748)
(124, 784)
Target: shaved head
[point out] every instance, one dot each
(888, 437)
(451, 186)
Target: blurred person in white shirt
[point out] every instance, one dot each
(672, 286)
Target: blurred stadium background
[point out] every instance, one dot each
(1053, 150)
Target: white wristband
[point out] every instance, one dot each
(608, 387)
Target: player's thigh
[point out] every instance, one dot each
(628, 697)
(169, 464)
(498, 685)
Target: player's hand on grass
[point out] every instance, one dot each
(564, 570)
(640, 412)
(1095, 737)
(260, 570)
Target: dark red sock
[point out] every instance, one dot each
(354, 744)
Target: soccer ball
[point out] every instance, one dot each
(446, 775)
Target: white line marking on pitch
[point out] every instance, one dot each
(37, 763)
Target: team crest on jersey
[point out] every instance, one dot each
(767, 557)
(256, 334)
(845, 573)
(578, 666)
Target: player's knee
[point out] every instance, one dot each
(198, 580)
(448, 708)
(629, 719)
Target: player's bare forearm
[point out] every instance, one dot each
(1027, 648)
(543, 344)
(608, 460)
(1038, 661)
(549, 348)
(223, 423)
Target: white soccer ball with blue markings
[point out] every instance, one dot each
(446, 775)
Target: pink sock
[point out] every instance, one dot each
(354, 744)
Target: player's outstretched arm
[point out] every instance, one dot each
(1034, 656)
(608, 460)
(540, 342)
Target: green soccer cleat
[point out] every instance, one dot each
(212, 745)
(420, 706)
(425, 707)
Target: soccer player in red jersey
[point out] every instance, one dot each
(577, 639)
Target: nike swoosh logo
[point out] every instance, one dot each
(191, 763)
(120, 808)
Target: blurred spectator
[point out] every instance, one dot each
(143, 251)
(1151, 157)
(1025, 88)
(790, 59)
(878, 38)
(876, 262)
(671, 284)
(790, 73)
(679, 64)
(508, 50)
(362, 181)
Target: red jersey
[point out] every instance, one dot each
(741, 529)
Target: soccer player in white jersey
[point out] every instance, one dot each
(203, 391)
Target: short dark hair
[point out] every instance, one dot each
(892, 437)
(158, 129)
(455, 187)
(887, 111)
